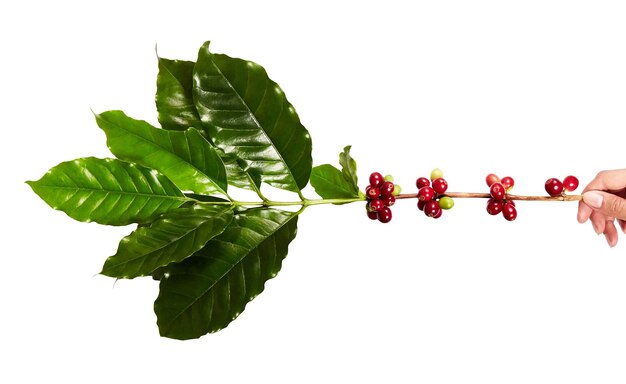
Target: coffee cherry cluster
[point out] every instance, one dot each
(381, 194)
(430, 197)
(555, 187)
(497, 203)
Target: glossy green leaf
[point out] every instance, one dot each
(330, 183)
(107, 191)
(237, 177)
(173, 237)
(348, 169)
(246, 114)
(208, 290)
(186, 157)
(177, 111)
(174, 98)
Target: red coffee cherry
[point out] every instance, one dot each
(554, 187)
(508, 182)
(376, 179)
(570, 183)
(386, 188)
(432, 208)
(491, 178)
(372, 192)
(440, 185)
(376, 205)
(384, 215)
(389, 200)
(497, 191)
(422, 182)
(494, 206)
(426, 193)
(509, 212)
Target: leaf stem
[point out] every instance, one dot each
(474, 195)
(457, 195)
(270, 203)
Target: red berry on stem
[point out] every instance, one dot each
(432, 208)
(494, 206)
(508, 182)
(376, 179)
(376, 205)
(440, 185)
(570, 183)
(497, 191)
(491, 178)
(372, 215)
(554, 187)
(509, 212)
(426, 193)
(384, 215)
(372, 192)
(422, 182)
(386, 188)
(421, 204)
(389, 200)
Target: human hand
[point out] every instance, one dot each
(604, 202)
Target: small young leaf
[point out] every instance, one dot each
(348, 169)
(174, 101)
(107, 191)
(208, 290)
(330, 183)
(173, 237)
(246, 114)
(174, 98)
(185, 157)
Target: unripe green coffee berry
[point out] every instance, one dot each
(389, 178)
(446, 202)
(396, 190)
(436, 174)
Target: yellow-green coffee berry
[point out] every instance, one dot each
(446, 202)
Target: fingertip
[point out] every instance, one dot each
(598, 221)
(584, 211)
(610, 233)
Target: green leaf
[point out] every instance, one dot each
(237, 177)
(174, 100)
(173, 237)
(107, 191)
(348, 169)
(208, 290)
(330, 183)
(184, 157)
(246, 114)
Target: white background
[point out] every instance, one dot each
(532, 89)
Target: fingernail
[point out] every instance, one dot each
(593, 199)
(611, 243)
(595, 228)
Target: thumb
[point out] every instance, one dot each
(606, 203)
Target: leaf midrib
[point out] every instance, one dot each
(256, 121)
(173, 243)
(173, 153)
(181, 198)
(207, 220)
(195, 300)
